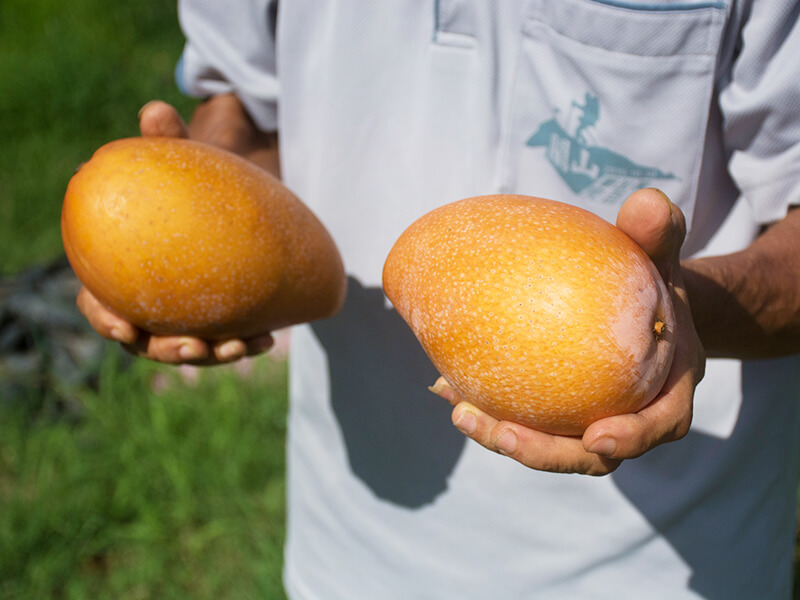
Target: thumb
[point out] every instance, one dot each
(157, 118)
(657, 225)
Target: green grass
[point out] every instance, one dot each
(74, 75)
(170, 494)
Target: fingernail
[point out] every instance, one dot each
(443, 389)
(506, 442)
(669, 202)
(188, 352)
(605, 446)
(146, 104)
(466, 422)
(231, 349)
(118, 335)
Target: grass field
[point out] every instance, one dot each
(170, 494)
(74, 75)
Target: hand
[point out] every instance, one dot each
(658, 226)
(160, 119)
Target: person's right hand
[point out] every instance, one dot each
(160, 119)
(659, 227)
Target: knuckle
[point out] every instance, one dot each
(156, 350)
(682, 427)
(700, 371)
(604, 466)
(80, 299)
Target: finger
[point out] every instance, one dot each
(234, 349)
(534, 449)
(443, 389)
(228, 350)
(656, 224)
(170, 349)
(157, 118)
(259, 344)
(666, 419)
(103, 321)
(195, 351)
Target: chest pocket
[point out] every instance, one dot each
(610, 97)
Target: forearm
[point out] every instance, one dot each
(222, 121)
(747, 304)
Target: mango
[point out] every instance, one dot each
(182, 238)
(533, 310)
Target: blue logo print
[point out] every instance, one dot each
(590, 170)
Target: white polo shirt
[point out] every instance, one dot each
(388, 109)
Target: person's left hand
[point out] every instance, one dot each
(157, 118)
(658, 226)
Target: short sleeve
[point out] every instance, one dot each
(230, 47)
(761, 108)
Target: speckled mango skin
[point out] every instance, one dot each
(535, 311)
(182, 238)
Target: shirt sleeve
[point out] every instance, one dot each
(230, 47)
(761, 108)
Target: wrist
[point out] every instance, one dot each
(222, 121)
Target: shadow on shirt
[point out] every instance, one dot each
(401, 444)
(400, 441)
(742, 543)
